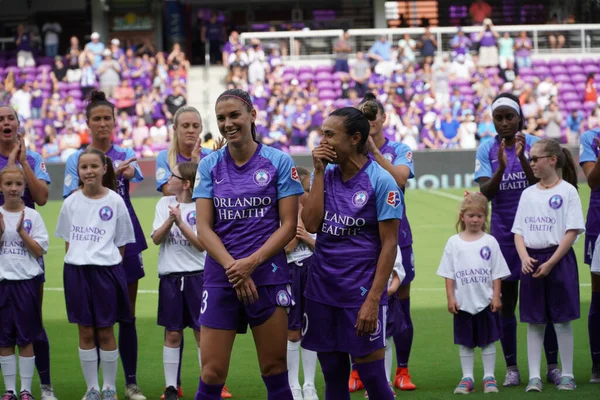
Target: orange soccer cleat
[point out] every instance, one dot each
(355, 384)
(402, 379)
(225, 393)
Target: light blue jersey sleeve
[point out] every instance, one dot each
(390, 200)
(137, 177)
(404, 156)
(203, 187)
(71, 182)
(204, 152)
(483, 164)
(40, 168)
(163, 170)
(586, 147)
(288, 180)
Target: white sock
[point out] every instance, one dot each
(109, 363)
(389, 358)
(467, 359)
(309, 365)
(8, 365)
(26, 368)
(89, 366)
(199, 359)
(535, 341)
(293, 363)
(488, 355)
(564, 335)
(171, 364)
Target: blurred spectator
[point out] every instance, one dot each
(52, 31)
(29, 134)
(159, 133)
(174, 102)
(37, 100)
(140, 133)
(523, 45)
(479, 11)
(21, 102)
(575, 126)
(212, 34)
(147, 151)
(276, 137)
(177, 61)
(467, 132)
(301, 121)
(117, 52)
(231, 47)
(428, 46)
(360, 73)
(50, 149)
(342, 49)
(314, 139)
(125, 98)
(380, 51)
(488, 52)
(406, 49)
(533, 128)
(506, 53)
(88, 78)
(23, 43)
(208, 141)
(552, 118)
(546, 90)
(448, 132)
(109, 74)
(58, 73)
(460, 44)
(146, 49)
(461, 68)
(591, 93)
(96, 48)
(123, 124)
(556, 39)
(70, 142)
(256, 63)
(486, 130)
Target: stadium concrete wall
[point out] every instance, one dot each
(440, 169)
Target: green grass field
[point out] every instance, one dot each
(434, 363)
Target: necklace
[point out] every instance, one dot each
(550, 186)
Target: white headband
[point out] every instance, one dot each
(505, 101)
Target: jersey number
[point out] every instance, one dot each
(204, 301)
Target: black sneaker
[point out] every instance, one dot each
(9, 395)
(170, 393)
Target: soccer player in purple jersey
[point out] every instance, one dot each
(588, 159)
(503, 171)
(101, 120)
(13, 152)
(355, 207)
(246, 213)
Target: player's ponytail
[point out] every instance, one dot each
(109, 180)
(370, 98)
(564, 159)
(569, 171)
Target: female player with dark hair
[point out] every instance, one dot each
(355, 207)
(100, 115)
(13, 152)
(245, 187)
(503, 171)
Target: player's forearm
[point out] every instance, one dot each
(491, 186)
(210, 241)
(497, 288)
(520, 246)
(129, 173)
(277, 241)
(32, 246)
(449, 289)
(159, 235)
(38, 188)
(189, 234)
(593, 178)
(400, 173)
(563, 247)
(314, 207)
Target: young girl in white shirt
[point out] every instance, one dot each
(180, 268)
(474, 267)
(23, 240)
(95, 224)
(548, 220)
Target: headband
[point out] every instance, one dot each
(505, 101)
(237, 97)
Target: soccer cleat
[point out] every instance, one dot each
(553, 376)
(465, 386)
(47, 392)
(26, 395)
(309, 392)
(170, 394)
(224, 393)
(512, 378)
(179, 393)
(9, 395)
(595, 374)
(490, 385)
(567, 383)
(109, 394)
(133, 392)
(297, 394)
(92, 395)
(534, 385)
(355, 384)
(402, 380)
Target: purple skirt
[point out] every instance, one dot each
(477, 330)
(20, 312)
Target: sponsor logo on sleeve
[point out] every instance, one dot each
(295, 175)
(393, 198)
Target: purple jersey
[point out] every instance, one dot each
(487, 39)
(348, 242)
(514, 181)
(400, 154)
(163, 169)
(246, 211)
(588, 152)
(300, 118)
(38, 167)
(117, 155)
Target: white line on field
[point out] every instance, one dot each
(444, 194)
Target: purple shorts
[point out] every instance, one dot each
(42, 277)
(96, 295)
(298, 274)
(509, 251)
(328, 329)
(395, 321)
(180, 300)
(20, 312)
(590, 244)
(477, 330)
(134, 268)
(221, 308)
(408, 262)
(555, 298)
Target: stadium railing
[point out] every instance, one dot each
(579, 38)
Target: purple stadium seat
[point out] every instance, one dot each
(11, 62)
(305, 76)
(327, 95)
(74, 86)
(289, 70)
(323, 76)
(305, 69)
(589, 106)
(589, 61)
(323, 68)
(569, 96)
(76, 94)
(577, 78)
(337, 84)
(538, 63)
(13, 68)
(573, 105)
(562, 78)
(574, 69)
(324, 85)
(338, 75)
(555, 61)
(558, 69)
(466, 89)
(492, 71)
(567, 87)
(62, 86)
(591, 69)
(571, 61)
(288, 77)
(529, 79)
(542, 70)
(525, 71)
(580, 86)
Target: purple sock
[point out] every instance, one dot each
(509, 340)
(278, 387)
(41, 349)
(180, 358)
(404, 339)
(128, 350)
(594, 328)
(208, 392)
(373, 376)
(336, 371)
(551, 345)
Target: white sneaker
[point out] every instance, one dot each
(132, 392)
(47, 392)
(297, 394)
(310, 393)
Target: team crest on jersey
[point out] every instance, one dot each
(485, 253)
(555, 201)
(262, 177)
(283, 299)
(68, 180)
(360, 198)
(388, 157)
(393, 198)
(106, 213)
(160, 174)
(27, 226)
(295, 175)
(191, 218)
(477, 165)
(409, 156)
(377, 330)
